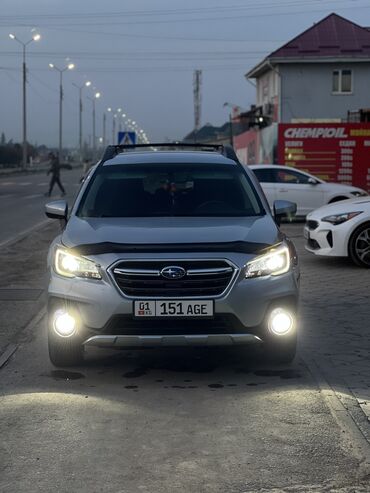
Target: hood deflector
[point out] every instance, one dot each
(107, 247)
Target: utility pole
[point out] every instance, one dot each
(70, 66)
(197, 83)
(114, 130)
(60, 115)
(36, 37)
(24, 153)
(80, 110)
(93, 99)
(234, 109)
(104, 128)
(231, 130)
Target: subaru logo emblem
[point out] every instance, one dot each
(173, 272)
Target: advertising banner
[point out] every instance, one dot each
(335, 152)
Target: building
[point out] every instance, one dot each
(322, 75)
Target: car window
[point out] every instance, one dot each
(169, 190)
(264, 175)
(289, 176)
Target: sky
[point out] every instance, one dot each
(141, 55)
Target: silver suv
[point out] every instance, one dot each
(171, 248)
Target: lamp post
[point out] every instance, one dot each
(86, 84)
(70, 66)
(110, 111)
(104, 128)
(93, 99)
(114, 128)
(232, 106)
(119, 111)
(35, 37)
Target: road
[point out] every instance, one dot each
(22, 200)
(186, 420)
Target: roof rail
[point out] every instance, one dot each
(113, 150)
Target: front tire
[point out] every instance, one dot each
(359, 246)
(64, 351)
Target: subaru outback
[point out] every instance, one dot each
(172, 247)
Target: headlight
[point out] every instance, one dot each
(68, 265)
(273, 263)
(340, 218)
(359, 193)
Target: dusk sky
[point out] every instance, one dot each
(141, 54)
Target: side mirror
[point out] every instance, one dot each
(312, 181)
(57, 210)
(284, 208)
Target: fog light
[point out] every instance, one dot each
(281, 321)
(64, 323)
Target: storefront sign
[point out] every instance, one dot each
(334, 152)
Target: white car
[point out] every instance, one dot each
(307, 191)
(341, 230)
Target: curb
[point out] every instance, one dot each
(346, 411)
(12, 348)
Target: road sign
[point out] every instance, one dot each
(127, 138)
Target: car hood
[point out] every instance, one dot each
(350, 205)
(260, 231)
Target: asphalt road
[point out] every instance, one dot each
(187, 420)
(22, 200)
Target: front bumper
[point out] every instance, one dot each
(105, 316)
(326, 239)
(140, 341)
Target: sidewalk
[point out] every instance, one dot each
(335, 314)
(23, 281)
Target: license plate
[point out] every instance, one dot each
(170, 308)
(306, 233)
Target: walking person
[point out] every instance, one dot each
(55, 174)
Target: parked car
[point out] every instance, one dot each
(171, 248)
(307, 191)
(341, 230)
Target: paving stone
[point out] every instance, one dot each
(335, 314)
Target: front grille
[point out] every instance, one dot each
(219, 324)
(312, 224)
(143, 279)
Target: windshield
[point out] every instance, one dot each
(169, 190)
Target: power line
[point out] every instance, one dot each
(167, 12)
(198, 19)
(134, 54)
(40, 81)
(149, 36)
(155, 69)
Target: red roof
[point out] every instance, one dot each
(333, 36)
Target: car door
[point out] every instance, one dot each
(297, 187)
(266, 179)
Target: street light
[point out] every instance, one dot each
(119, 111)
(231, 105)
(35, 37)
(86, 84)
(109, 109)
(70, 66)
(93, 99)
(114, 121)
(113, 124)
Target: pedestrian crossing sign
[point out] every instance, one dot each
(127, 138)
